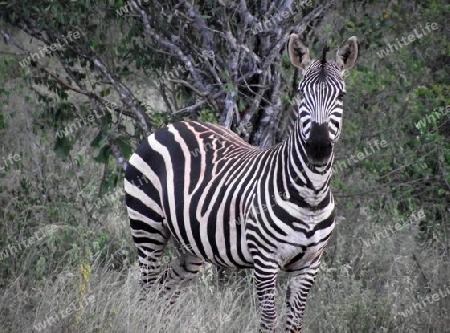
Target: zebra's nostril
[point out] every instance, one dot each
(318, 145)
(318, 150)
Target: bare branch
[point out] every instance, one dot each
(230, 108)
(117, 154)
(198, 80)
(188, 85)
(125, 94)
(275, 49)
(202, 26)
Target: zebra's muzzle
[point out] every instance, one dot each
(319, 146)
(318, 153)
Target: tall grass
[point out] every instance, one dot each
(364, 294)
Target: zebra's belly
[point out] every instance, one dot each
(216, 240)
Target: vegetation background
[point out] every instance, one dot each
(72, 115)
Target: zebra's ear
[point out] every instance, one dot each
(298, 52)
(347, 54)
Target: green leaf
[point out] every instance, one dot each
(2, 122)
(105, 92)
(100, 139)
(94, 44)
(103, 154)
(79, 160)
(111, 182)
(63, 146)
(125, 149)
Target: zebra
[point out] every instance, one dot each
(240, 206)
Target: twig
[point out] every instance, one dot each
(230, 108)
(125, 94)
(170, 46)
(89, 212)
(118, 155)
(188, 85)
(420, 269)
(441, 169)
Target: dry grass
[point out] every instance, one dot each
(345, 299)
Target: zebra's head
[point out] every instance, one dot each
(322, 90)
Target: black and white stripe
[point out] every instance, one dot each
(234, 205)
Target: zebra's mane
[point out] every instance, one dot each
(325, 50)
(322, 75)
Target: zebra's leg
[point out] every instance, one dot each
(150, 237)
(265, 275)
(301, 281)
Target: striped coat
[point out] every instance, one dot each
(235, 205)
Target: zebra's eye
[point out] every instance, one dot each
(341, 96)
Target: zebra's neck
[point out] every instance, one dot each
(301, 177)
